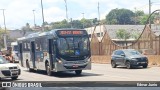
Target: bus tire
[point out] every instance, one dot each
(14, 78)
(48, 70)
(78, 72)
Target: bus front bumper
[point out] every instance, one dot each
(72, 67)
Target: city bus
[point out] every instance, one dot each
(56, 50)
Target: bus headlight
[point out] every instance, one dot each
(89, 59)
(59, 61)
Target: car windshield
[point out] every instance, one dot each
(73, 46)
(2, 60)
(132, 52)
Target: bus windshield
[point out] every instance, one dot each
(73, 46)
(15, 48)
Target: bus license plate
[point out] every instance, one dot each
(75, 65)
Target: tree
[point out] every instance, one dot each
(120, 16)
(143, 19)
(61, 24)
(123, 34)
(25, 28)
(86, 22)
(2, 32)
(138, 15)
(135, 35)
(77, 24)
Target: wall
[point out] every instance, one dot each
(154, 60)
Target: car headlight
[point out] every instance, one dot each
(4, 68)
(18, 67)
(134, 59)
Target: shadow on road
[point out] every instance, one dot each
(8, 79)
(65, 74)
(133, 68)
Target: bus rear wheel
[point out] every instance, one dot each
(48, 70)
(78, 72)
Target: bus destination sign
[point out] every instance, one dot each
(71, 32)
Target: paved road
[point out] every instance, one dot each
(99, 72)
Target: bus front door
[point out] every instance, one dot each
(33, 54)
(51, 55)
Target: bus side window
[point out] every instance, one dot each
(54, 46)
(44, 44)
(38, 44)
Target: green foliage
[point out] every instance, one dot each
(77, 24)
(139, 13)
(62, 24)
(74, 24)
(123, 34)
(135, 35)
(2, 32)
(120, 16)
(143, 19)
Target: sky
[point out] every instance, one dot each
(19, 12)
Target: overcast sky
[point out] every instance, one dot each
(19, 12)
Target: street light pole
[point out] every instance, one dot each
(5, 42)
(42, 16)
(99, 20)
(135, 21)
(83, 21)
(150, 12)
(34, 18)
(66, 10)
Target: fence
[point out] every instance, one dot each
(102, 50)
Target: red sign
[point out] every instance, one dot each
(70, 32)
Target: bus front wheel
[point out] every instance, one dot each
(78, 72)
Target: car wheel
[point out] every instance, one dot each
(113, 64)
(48, 70)
(145, 66)
(128, 65)
(14, 78)
(78, 72)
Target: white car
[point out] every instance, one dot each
(8, 70)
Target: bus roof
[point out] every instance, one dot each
(37, 34)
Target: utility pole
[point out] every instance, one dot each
(98, 12)
(83, 21)
(42, 16)
(135, 21)
(66, 10)
(71, 23)
(99, 20)
(150, 13)
(34, 18)
(5, 41)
